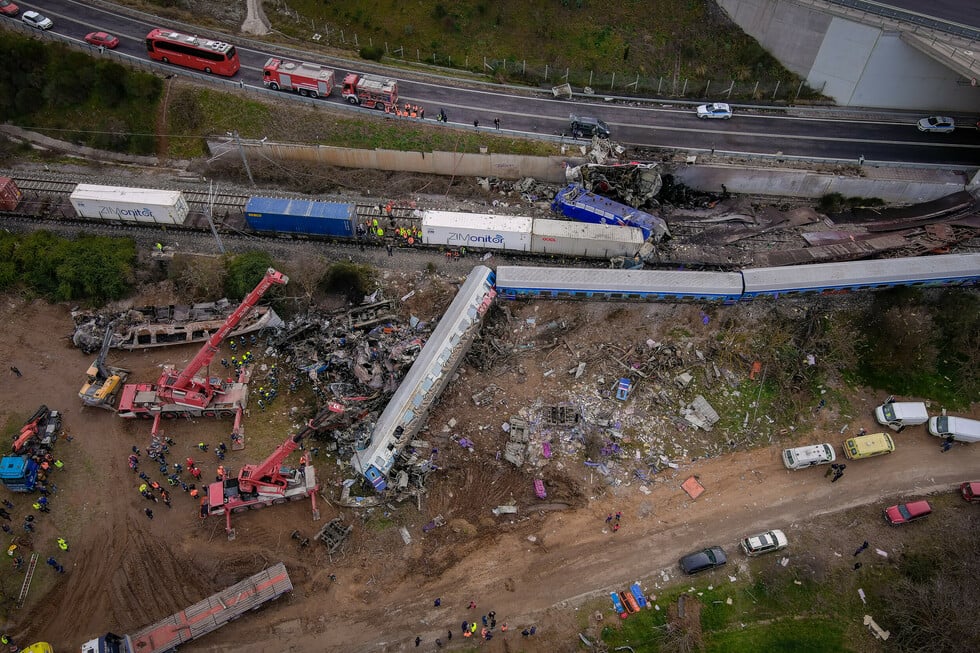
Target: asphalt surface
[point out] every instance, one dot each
(964, 12)
(878, 136)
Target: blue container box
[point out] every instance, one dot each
(292, 216)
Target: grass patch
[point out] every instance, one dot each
(787, 635)
(687, 39)
(921, 343)
(196, 111)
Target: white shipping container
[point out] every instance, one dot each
(129, 204)
(476, 230)
(585, 239)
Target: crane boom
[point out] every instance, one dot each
(210, 348)
(267, 473)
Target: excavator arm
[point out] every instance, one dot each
(98, 369)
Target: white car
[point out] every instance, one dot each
(763, 543)
(715, 110)
(938, 124)
(35, 19)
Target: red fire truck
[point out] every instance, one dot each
(370, 91)
(307, 79)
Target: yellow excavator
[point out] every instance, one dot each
(103, 382)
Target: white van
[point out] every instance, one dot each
(896, 415)
(814, 454)
(961, 428)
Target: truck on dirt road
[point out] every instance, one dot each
(199, 619)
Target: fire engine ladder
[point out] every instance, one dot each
(27, 580)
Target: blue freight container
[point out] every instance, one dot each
(292, 216)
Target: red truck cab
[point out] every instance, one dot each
(971, 491)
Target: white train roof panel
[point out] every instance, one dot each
(622, 281)
(862, 273)
(461, 219)
(588, 230)
(92, 192)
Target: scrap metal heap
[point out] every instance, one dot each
(160, 326)
(354, 360)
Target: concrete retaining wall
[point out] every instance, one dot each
(504, 166)
(901, 185)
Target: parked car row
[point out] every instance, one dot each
(39, 21)
(774, 540)
(896, 416)
(714, 556)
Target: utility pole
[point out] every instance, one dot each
(209, 210)
(241, 150)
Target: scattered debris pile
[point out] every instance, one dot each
(635, 184)
(334, 534)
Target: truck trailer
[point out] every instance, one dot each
(307, 79)
(120, 204)
(477, 230)
(199, 619)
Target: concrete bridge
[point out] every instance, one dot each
(901, 54)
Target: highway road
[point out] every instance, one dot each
(756, 130)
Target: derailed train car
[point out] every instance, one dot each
(515, 282)
(521, 234)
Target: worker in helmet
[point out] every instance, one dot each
(62, 544)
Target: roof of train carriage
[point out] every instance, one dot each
(683, 282)
(862, 273)
(473, 290)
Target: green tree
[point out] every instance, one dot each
(244, 273)
(351, 279)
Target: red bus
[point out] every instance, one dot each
(210, 56)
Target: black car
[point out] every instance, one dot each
(587, 126)
(698, 561)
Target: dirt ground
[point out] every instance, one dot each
(540, 567)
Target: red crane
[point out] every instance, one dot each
(186, 390)
(183, 394)
(270, 482)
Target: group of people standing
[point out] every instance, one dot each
(406, 110)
